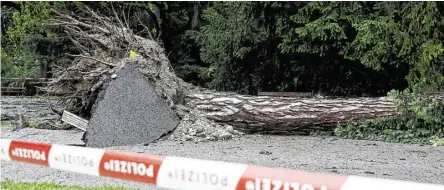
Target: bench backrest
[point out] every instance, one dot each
(74, 120)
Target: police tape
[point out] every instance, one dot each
(185, 173)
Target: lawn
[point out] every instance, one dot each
(37, 186)
(5, 123)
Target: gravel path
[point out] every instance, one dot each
(349, 157)
(34, 109)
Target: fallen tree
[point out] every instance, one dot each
(105, 43)
(283, 115)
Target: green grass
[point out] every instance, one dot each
(46, 186)
(33, 124)
(43, 97)
(5, 123)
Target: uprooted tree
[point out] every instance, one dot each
(105, 43)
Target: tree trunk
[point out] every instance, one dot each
(195, 18)
(284, 115)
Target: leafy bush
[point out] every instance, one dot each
(22, 65)
(420, 120)
(436, 141)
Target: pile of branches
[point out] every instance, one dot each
(105, 44)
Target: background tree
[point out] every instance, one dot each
(394, 39)
(29, 45)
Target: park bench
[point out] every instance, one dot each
(12, 90)
(74, 120)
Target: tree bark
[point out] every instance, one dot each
(195, 18)
(285, 115)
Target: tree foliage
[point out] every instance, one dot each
(383, 36)
(28, 43)
(323, 47)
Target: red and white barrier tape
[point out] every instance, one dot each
(184, 173)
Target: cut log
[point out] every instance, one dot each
(285, 115)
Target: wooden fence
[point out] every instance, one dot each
(22, 86)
